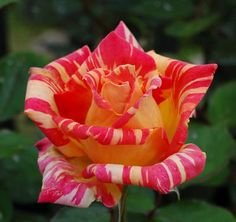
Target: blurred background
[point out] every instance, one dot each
(34, 32)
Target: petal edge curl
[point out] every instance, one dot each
(163, 177)
(104, 135)
(179, 96)
(63, 183)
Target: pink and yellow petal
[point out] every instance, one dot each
(191, 84)
(64, 184)
(163, 177)
(144, 113)
(104, 135)
(40, 105)
(66, 66)
(122, 53)
(107, 144)
(123, 32)
(127, 146)
(161, 62)
(186, 85)
(116, 95)
(143, 154)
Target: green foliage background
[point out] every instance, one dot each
(34, 32)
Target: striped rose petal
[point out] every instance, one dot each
(183, 88)
(66, 66)
(94, 80)
(40, 105)
(153, 83)
(123, 32)
(104, 135)
(43, 85)
(64, 184)
(163, 177)
(190, 87)
(122, 53)
(116, 91)
(123, 73)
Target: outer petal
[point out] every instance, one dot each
(123, 31)
(104, 135)
(110, 145)
(184, 86)
(63, 183)
(176, 169)
(66, 66)
(122, 53)
(40, 104)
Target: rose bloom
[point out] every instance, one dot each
(112, 117)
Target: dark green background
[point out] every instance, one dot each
(33, 32)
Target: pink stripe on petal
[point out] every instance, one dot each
(63, 184)
(165, 176)
(154, 84)
(66, 66)
(93, 79)
(122, 53)
(104, 135)
(123, 32)
(40, 105)
(55, 135)
(189, 87)
(55, 87)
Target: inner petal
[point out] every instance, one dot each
(147, 116)
(149, 153)
(116, 95)
(170, 117)
(74, 104)
(119, 91)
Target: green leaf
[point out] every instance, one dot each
(191, 53)
(21, 216)
(140, 200)
(224, 52)
(11, 143)
(194, 211)
(137, 217)
(5, 206)
(13, 79)
(182, 29)
(163, 9)
(218, 145)
(94, 213)
(220, 178)
(232, 193)
(222, 105)
(6, 2)
(21, 176)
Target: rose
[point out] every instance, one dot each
(114, 117)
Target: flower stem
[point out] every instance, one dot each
(122, 206)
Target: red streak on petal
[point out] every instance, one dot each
(74, 104)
